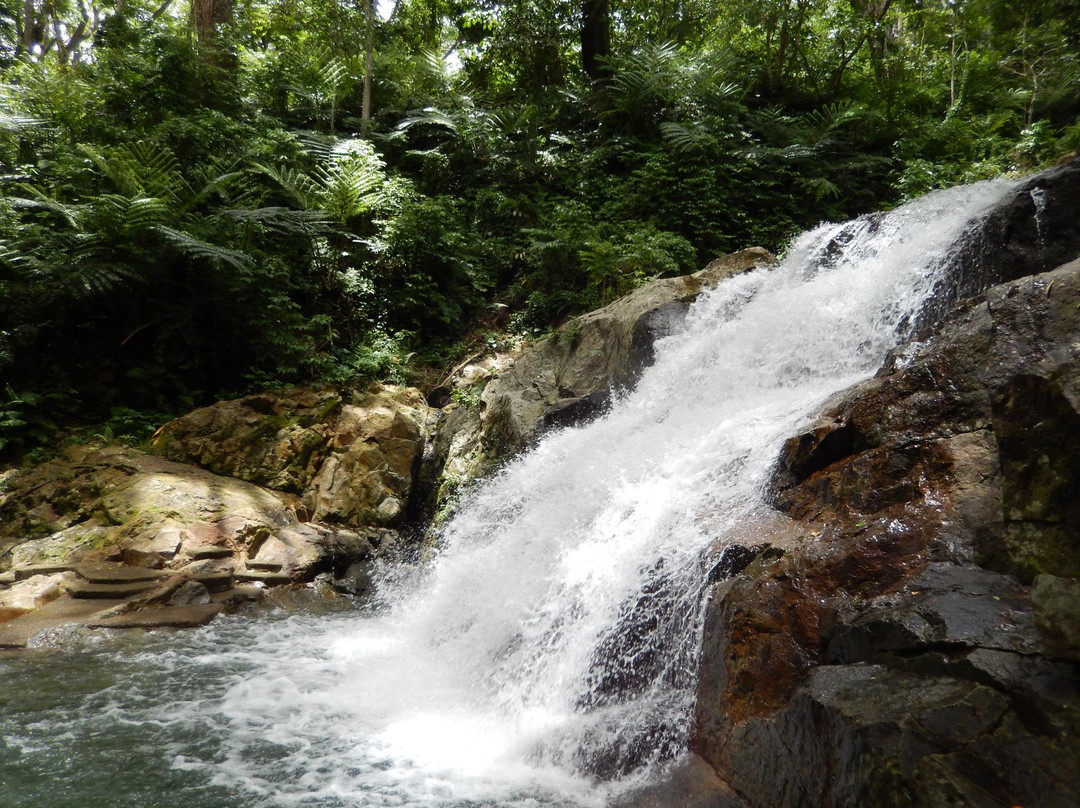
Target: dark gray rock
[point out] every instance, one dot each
(916, 643)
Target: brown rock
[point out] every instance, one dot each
(187, 616)
(570, 374)
(350, 458)
(875, 663)
(141, 513)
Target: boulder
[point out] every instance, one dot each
(350, 458)
(1033, 229)
(508, 398)
(137, 532)
(910, 639)
(570, 374)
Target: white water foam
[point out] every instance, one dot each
(547, 655)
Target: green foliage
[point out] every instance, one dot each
(130, 427)
(28, 420)
(349, 181)
(181, 220)
(375, 356)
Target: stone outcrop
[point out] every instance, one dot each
(560, 379)
(571, 373)
(350, 458)
(909, 638)
(123, 531)
(1034, 229)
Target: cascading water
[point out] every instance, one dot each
(547, 655)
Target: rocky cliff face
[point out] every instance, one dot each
(565, 377)
(350, 458)
(571, 373)
(904, 633)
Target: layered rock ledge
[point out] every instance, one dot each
(106, 532)
(279, 489)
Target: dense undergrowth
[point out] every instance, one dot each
(194, 206)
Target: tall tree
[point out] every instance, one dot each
(206, 16)
(596, 39)
(369, 64)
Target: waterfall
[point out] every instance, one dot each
(547, 654)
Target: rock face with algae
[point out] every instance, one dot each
(125, 531)
(349, 458)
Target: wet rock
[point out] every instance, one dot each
(986, 407)
(568, 376)
(239, 597)
(183, 616)
(946, 606)
(1033, 230)
(691, 784)
(916, 644)
(1057, 613)
(190, 593)
(355, 581)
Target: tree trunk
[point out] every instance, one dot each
(202, 20)
(29, 24)
(369, 66)
(206, 16)
(596, 39)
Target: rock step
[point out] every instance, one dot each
(214, 580)
(267, 578)
(264, 566)
(7, 577)
(118, 574)
(18, 632)
(206, 551)
(22, 573)
(164, 617)
(81, 589)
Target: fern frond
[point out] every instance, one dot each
(41, 202)
(432, 116)
(145, 212)
(797, 151)
(14, 124)
(209, 186)
(95, 278)
(302, 188)
(643, 73)
(316, 144)
(686, 137)
(141, 169)
(285, 221)
(819, 187)
(195, 247)
(12, 255)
